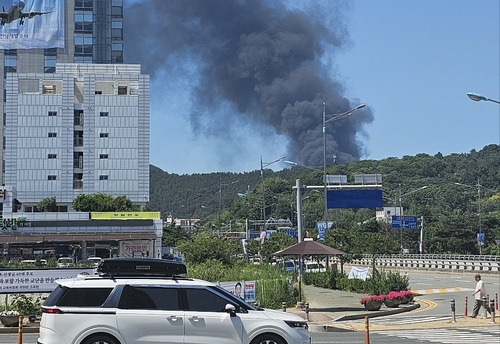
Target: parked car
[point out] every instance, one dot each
(95, 260)
(64, 262)
(314, 267)
(143, 300)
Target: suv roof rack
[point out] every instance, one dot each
(140, 267)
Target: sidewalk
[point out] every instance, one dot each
(336, 310)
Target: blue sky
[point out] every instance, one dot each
(411, 62)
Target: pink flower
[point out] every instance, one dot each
(379, 298)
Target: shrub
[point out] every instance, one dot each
(26, 305)
(273, 286)
(326, 279)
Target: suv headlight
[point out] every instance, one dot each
(297, 324)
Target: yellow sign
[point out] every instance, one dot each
(125, 215)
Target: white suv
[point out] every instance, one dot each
(139, 301)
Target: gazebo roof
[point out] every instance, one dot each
(309, 248)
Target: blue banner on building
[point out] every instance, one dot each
(32, 24)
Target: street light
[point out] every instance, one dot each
(294, 164)
(334, 117)
(220, 196)
(262, 165)
(478, 97)
(401, 217)
(479, 186)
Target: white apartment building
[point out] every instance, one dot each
(83, 129)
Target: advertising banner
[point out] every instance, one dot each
(31, 24)
(359, 273)
(135, 248)
(322, 228)
(36, 280)
(242, 289)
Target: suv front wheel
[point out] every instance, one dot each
(268, 339)
(100, 339)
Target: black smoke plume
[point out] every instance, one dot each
(258, 60)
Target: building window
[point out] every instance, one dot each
(104, 113)
(51, 177)
(49, 62)
(10, 61)
(104, 135)
(103, 156)
(83, 4)
(49, 89)
(52, 156)
(52, 113)
(122, 90)
(52, 134)
(103, 177)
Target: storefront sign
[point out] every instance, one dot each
(12, 223)
(141, 215)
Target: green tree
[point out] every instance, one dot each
(276, 242)
(205, 247)
(102, 202)
(48, 204)
(173, 234)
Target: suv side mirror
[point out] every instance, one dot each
(231, 309)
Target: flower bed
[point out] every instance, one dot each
(373, 302)
(392, 300)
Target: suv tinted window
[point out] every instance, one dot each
(203, 300)
(141, 297)
(84, 297)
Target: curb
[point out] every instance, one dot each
(330, 327)
(16, 329)
(379, 314)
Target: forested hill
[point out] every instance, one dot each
(198, 196)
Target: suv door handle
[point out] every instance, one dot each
(174, 318)
(195, 318)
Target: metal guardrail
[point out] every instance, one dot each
(488, 258)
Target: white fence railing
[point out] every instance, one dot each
(444, 263)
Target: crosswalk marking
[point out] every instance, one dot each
(409, 320)
(440, 290)
(449, 336)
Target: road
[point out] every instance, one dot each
(436, 288)
(441, 288)
(443, 336)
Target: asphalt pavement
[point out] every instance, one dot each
(336, 310)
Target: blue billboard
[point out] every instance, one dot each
(31, 24)
(354, 199)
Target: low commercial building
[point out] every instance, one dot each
(81, 235)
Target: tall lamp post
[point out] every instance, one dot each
(479, 186)
(327, 119)
(220, 196)
(477, 97)
(262, 166)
